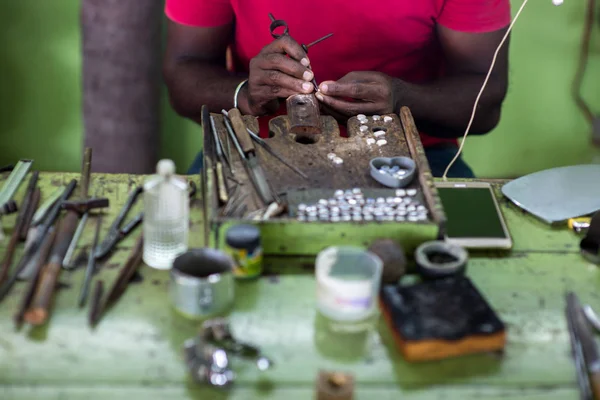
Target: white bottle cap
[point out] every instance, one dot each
(165, 167)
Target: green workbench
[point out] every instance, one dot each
(135, 351)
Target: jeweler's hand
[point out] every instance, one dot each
(359, 93)
(274, 75)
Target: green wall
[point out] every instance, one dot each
(40, 93)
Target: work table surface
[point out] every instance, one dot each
(136, 350)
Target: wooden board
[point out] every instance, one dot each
(323, 174)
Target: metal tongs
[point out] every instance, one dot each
(580, 320)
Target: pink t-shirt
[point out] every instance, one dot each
(396, 37)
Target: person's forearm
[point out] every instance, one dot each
(443, 108)
(192, 84)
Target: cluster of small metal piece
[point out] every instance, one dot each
(379, 134)
(395, 171)
(352, 205)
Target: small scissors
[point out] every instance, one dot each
(278, 23)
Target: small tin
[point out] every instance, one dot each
(244, 246)
(202, 283)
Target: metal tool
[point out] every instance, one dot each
(304, 117)
(12, 184)
(277, 23)
(91, 265)
(14, 180)
(44, 252)
(583, 346)
(16, 233)
(221, 182)
(46, 206)
(96, 303)
(120, 284)
(38, 312)
(227, 154)
(36, 242)
(116, 233)
(249, 155)
(86, 169)
(31, 206)
(218, 332)
(272, 152)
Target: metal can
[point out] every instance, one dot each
(244, 246)
(202, 283)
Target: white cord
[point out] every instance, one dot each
(487, 78)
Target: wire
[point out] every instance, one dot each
(583, 61)
(485, 82)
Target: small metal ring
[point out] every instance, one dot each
(432, 270)
(277, 24)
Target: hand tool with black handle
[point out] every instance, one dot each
(39, 310)
(245, 143)
(33, 248)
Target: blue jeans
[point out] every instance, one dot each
(439, 157)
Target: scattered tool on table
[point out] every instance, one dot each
(222, 190)
(12, 184)
(121, 282)
(248, 154)
(46, 206)
(40, 234)
(91, 265)
(207, 354)
(17, 229)
(39, 310)
(584, 349)
(116, 233)
(272, 152)
(83, 206)
(590, 244)
(227, 153)
(334, 386)
(31, 203)
(44, 252)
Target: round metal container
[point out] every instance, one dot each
(202, 283)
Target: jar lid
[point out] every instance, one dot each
(243, 236)
(165, 167)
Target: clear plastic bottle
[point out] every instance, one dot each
(166, 216)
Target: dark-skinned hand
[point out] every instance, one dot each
(273, 75)
(359, 93)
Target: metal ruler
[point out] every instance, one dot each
(14, 180)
